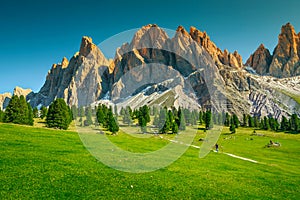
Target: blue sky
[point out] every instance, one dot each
(35, 34)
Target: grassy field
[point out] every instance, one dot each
(40, 163)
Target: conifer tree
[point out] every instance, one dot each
(295, 123)
(284, 125)
(30, 120)
(236, 120)
(111, 122)
(245, 120)
(227, 119)
(167, 125)
(200, 117)
(162, 117)
(58, 115)
(232, 126)
(126, 117)
(88, 113)
(182, 123)
(18, 111)
(208, 120)
(251, 121)
(44, 112)
(174, 128)
(35, 112)
(1, 115)
(100, 115)
(74, 112)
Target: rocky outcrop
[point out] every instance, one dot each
(4, 100)
(260, 60)
(220, 57)
(285, 61)
(20, 91)
(81, 81)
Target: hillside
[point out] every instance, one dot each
(39, 163)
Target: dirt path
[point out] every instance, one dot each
(228, 154)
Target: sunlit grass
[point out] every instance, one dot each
(41, 163)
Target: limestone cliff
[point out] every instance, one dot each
(260, 60)
(285, 61)
(81, 81)
(4, 100)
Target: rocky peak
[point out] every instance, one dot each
(149, 36)
(285, 61)
(180, 29)
(64, 62)
(286, 55)
(86, 46)
(20, 91)
(288, 41)
(260, 60)
(4, 100)
(220, 58)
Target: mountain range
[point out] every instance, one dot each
(187, 70)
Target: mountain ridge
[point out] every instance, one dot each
(285, 60)
(188, 64)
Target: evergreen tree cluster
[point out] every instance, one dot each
(18, 111)
(171, 120)
(106, 118)
(59, 115)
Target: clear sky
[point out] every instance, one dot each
(35, 34)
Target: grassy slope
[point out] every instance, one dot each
(43, 163)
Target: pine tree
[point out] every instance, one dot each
(112, 124)
(200, 117)
(232, 127)
(155, 111)
(1, 116)
(143, 118)
(236, 120)
(81, 111)
(30, 120)
(227, 119)
(18, 111)
(295, 123)
(256, 121)
(100, 115)
(208, 120)
(284, 125)
(12, 110)
(174, 128)
(167, 125)
(35, 112)
(126, 117)
(74, 112)
(266, 124)
(182, 124)
(44, 112)
(245, 120)
(162, 118)
(122, 112)
(88, 113)
(251, 121)
(116, 110)
(156, 121)
(220, 119)
(58, 115)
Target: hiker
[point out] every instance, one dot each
(217, 148)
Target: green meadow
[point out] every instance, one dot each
(41, 163)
